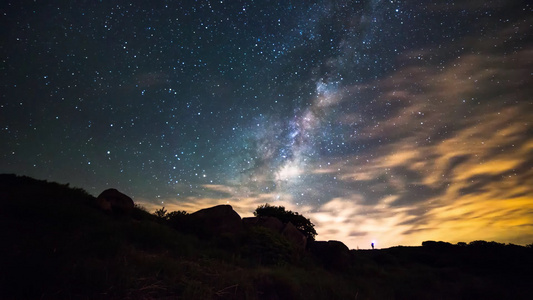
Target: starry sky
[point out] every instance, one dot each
(391, 122)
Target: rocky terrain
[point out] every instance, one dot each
(63, 243)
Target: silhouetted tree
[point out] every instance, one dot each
(302, 223)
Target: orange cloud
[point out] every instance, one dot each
(451, 159)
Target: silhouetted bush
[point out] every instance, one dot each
(161, 213)
(177, 219)
(440, 246)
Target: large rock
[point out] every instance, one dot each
(114, 201)
(271, 223)
(295, 236)
(333, 254)
(249, 222)
(289, 231)
(216, 220)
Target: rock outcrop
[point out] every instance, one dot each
(289, 231)
(295, 236)
(112, 200)
(271, 223)
(216, 220)
(333, 254)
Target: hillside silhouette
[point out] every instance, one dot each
(60, 242)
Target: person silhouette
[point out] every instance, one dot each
(372, 245)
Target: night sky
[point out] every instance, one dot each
(387, 121)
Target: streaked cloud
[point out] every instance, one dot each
(442, 149)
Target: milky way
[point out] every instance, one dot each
(386, 121)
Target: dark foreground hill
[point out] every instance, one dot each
(58, 244)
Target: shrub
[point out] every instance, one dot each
(161, 213)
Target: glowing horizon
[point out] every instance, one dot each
(378, 120)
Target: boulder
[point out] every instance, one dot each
(289, 231)
(216, 220)
(271, 223)
(333, 254)
(249, 222)
(112, 200)
(295, 236)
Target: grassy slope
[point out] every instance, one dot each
(58, 245)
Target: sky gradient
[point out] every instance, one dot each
(387, 121)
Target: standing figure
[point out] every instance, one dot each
(372, 246)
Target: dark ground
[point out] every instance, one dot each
(58, 245)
